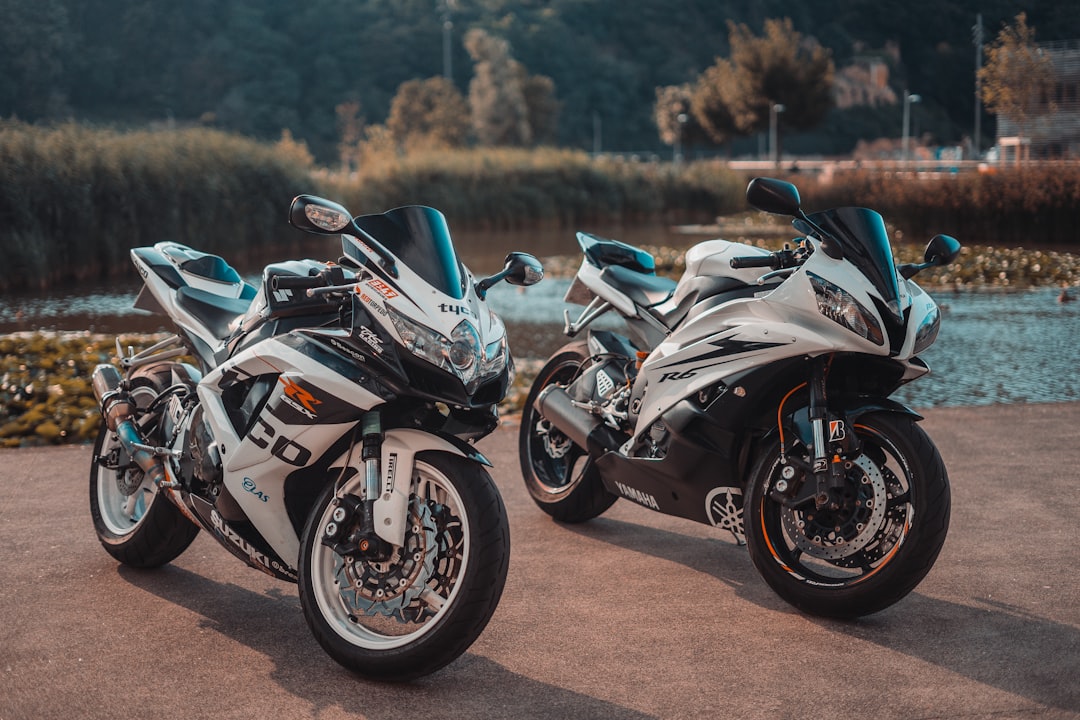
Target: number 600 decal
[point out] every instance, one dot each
(284, 449)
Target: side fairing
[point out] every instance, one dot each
(305, 410)
(747, 333)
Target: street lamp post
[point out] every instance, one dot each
(908, 100)
(680, 123)
(447, 27)
(774, 110)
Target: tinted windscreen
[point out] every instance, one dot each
(862, 236)
(419, 237)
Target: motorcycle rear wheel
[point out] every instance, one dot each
(559, 474)
(415, 613)
(877, 547)
(135, 523)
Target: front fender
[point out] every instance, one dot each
(399, 449)
(848, 409)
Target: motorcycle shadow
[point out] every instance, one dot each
(999, 645)
(270, 622)
(716, 555)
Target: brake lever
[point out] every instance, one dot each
(775, 273)
(332, 289)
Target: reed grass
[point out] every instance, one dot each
(503, 188)
(1036, 206)
(74, 200)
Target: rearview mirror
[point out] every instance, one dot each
(318, 215)
(521, 269)
(941, 250)
(774, 196)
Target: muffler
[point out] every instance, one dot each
(581, 426)
(118, 409)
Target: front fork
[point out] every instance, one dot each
(832, 441)
(351, 529)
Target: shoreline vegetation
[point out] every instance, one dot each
(74, 200)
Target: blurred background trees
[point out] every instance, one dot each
(1017, 81)
(575, 73)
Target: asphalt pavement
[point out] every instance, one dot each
(632, 615)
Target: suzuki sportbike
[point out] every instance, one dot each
(319, 428)
(753, 395)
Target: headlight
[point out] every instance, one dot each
(496, 353)
(842, 308)
(928, 330)
(461, 354)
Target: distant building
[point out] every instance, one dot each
(863, 82)
(1055, 134)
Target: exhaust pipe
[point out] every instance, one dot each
(118, 409)
(581, 426)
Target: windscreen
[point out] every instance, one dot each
(419, 238)
(862, 236)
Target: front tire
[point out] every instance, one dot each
(416, 612)
(559, 475)
(877, 547)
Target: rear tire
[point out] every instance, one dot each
(559, 475)
(134, 521)
(875, 549)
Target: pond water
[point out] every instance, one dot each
(993, 347)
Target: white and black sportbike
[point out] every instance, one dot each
(753, 395)
(318, 428)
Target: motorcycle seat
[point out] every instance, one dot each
(215, 312)
(645, 290)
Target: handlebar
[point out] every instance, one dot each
(287, 282)
(779, 260)
(770, 261)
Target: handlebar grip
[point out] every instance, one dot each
(292, 282)
(769, 261)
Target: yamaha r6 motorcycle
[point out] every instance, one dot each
(753, 395)
(321, 434)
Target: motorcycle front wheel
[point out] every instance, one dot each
(421, 608)
(558, 473)
(877, 546)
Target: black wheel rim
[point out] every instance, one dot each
(848, 546)
(557, 463)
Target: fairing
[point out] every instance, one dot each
(861, 235)
(420, 238)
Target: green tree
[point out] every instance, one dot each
(778, 68)
(429, 113)
(34, 38)
(350, 125)
(500, 115)
(712, 99)
(1017, 80)
(542, 107)
(675, 121)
